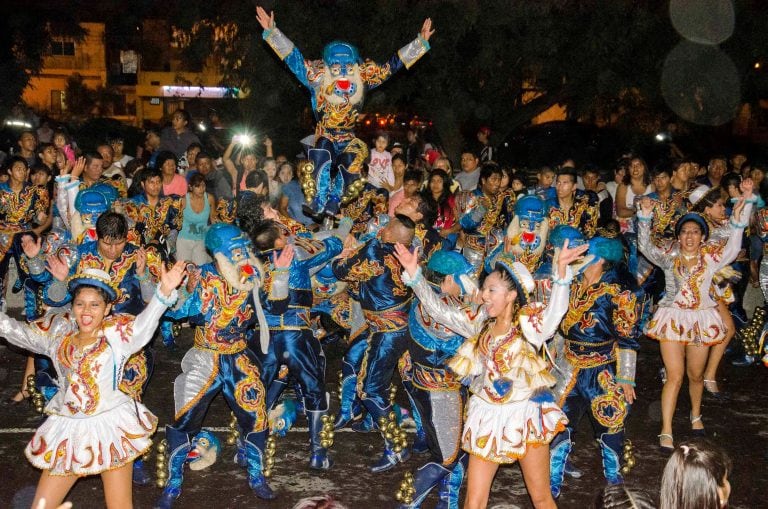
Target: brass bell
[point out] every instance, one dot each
(162, 446)
(231, 440)
(625, 470)
(399, 496)
(267, 472)
(631, 462)
(627, 455)
(397, 448)
(160, 483)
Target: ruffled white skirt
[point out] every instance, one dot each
(688, 326)
(91, 445)
(502, 432)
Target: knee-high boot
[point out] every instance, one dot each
(178, 446)
(426, 478)
(255, 443)
(319, 459)
(611, 448)
(450, 485)
(558, 456)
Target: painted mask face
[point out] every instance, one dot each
(205, 450)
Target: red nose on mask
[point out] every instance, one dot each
(529, 237)
(344, 85)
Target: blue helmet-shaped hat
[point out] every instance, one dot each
(340, 52)
(562, 232)
(94, 200)
(610, 250)
(225, 238)
(92, 276)
(531, 207)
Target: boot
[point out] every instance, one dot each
(427, 477)
(254, 447)
(240, 459)
(166, 331)
(179, 445)
(140, 475)
(395, 446)
(319, 460)
(611, 449)
(558, 456)
(420, 444)
(450, 485)
(364, 425)
(347, 403)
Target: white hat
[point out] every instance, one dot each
(697, 194)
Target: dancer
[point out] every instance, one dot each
(337, 84)
(511, 413)
(596, 370)
(686, 322)
(223, 301)
(436, 391)
(93, 427)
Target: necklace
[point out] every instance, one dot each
(688, 258)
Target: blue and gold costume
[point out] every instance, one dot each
(436, 391)
(600, 332)
(292, 342)
(385, 301)
(155, 224)
(337, 86)
(583, 214)
(225, 312)
(482, 219)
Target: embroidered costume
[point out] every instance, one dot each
(337, 86)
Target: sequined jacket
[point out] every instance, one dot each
(378, 279)
(336, 121)
(89, 380)
(583, 214)
(684, 289)
(602, 323)
(506, 368)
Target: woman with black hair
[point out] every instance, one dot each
(687, 322)
(511, 415)
(441, 198)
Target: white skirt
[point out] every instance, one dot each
(502, 432)
(688, 326)
(91, 445)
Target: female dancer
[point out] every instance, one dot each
(511, 406)
(687, 322)
(92, 427)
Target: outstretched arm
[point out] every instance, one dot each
(282, 45)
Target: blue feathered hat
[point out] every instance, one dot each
(449, 263)
(97, 199)
(531, 207)
(610, 250)
(562, 232)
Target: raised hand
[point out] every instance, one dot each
(284, 260)
(739, 207)
(171, 279)
(267, 141)
(193, 277)
(747, 187)
(567, 255)
(78, 168)
(267, 21)
(646, 205)
(30, 246)
(407, 258)
(141, 262)
(426, 29)
(57, 267)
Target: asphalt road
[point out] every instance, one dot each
(741, 426)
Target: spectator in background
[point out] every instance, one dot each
(217, 180)
(63, 144)
(44, 132)
(199, 209)
(415, 147)
(681, 176)
(399, 167)
(487, 152)
(148, 153)
(637, 182)
(443, 163)
(380, 168)
(545, 180)
(518, 186)
(28, 147)
(716, 168)
(178, 136)
(46, 154)
(121, 159)
(111, 170)
(412, 180)
(590, 177)
(696, 477)
(173, 183)
(189, 161)
(618, 177)
(397, 148)
(440, 198)
(292, 198)
(470, 171)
